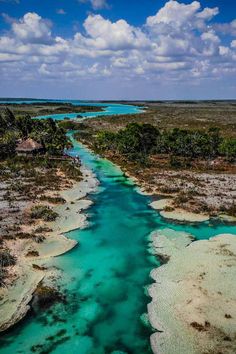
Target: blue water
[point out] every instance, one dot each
(109, 108)
(105, 277)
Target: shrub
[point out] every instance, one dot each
(6, 258)
(169, 208)
(43, 212)
(32, 254)
(228, 148)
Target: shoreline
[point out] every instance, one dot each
(198, 194)
(190, 346)
(168, 211)
(32, 270)
(164, 204)
(193, 295)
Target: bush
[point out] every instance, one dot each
(68, 125)
(175, 162)
(43, 212)
(146, 139)
(228, 148)
(6, 258)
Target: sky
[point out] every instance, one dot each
(118, 49)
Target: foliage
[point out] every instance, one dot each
(193, 144)
(47, 132)
(7, 120)
(6, 258)
(25, 125)
(8, 143)
(228, 148)
(50, 135)
(68, 124)
(138, 141)
(43, 212)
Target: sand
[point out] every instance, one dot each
(177, 213)
(193, 304)
(14, 299)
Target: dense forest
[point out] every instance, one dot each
(14, 129)
(138, 141)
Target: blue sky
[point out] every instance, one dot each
(117, 49)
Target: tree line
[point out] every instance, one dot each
(47, 132)
(138, 141)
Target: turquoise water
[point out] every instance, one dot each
(105, 276)
(109, 108)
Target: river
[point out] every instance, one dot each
(105, 276)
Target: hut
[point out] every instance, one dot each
(29, 147)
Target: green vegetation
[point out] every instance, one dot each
(6, 260)
(35, 109)
(138, 141)
(47, 132)
(228, 148)
(43, 212)
(68, 124)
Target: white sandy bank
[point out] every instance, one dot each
(194, 298)
(177, 213)
(14, 300)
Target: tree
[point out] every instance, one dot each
(25, 125)
(9, 118)
(137, 139)
(106, 140)
(50, 135)
(8, 144)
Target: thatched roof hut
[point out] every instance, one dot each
(29, 146)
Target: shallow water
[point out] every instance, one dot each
(104, 278)
(109, 108)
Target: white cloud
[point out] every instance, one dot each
(233, 44)
(226, 28)
(174, 12)
(210, 36)
(32, 29)
(115, 36)
(175, 16)
(96, 4)
(180, 42)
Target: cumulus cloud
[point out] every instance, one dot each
(180, 42)
(175, 16)
(31, 28)
(115, 36)
(174, 13)
(226, 28)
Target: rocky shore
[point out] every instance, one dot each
(32, 256)
(193, 307)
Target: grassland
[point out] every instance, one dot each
(168, 115)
